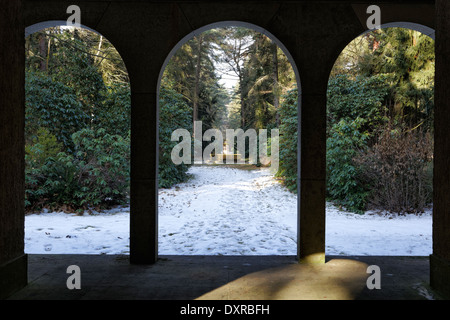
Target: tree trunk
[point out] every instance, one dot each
(237, 59)
(48, 52)
(243, 109)
(98, 50)
(43, 52)
(197, 78)
(276, 99)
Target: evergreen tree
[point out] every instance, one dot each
(406, 57)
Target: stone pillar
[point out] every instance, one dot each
(13, 261)
(144, 184)
(440, 259)
(324, 32)
(311, 198)
(325, 29)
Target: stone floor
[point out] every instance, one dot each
(112, 277)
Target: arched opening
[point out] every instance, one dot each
(77, 141)
(380, 127)
(222, 78)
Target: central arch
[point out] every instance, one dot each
(224, 24)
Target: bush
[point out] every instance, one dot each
(355, 108)
(114, 115)
(40, 151)
(94, 172)
(103, 162)
(361, 97)
(288, 140)
(96, 175)
(174, 113)
(53, 105)
(51, 184)
(399, 166)
(344, 143)
(43, 145)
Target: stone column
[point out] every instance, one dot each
(144, 188)
(440, 259)
(311, 198)
(143, 33)
(325, 30)
(13, 261)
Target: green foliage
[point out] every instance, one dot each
(97, 175)
(114, 115)
(407, 58)
(355, 109)
(288, 140)
(53, 105)
(266, 75)
(103, 167)
(43, 146)
(346, 141)
(77, 129)
(191, 72)
(361, 97)
(174, 113)
(41, 150)
(76, 69)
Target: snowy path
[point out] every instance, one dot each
(242, 212)
(231, 212)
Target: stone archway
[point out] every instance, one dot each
(223, 24)
(96, 113)
(144, 32)
(424, 30)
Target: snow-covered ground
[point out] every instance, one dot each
(229, 211)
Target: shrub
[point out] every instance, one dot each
(96, 175)
(355, 108)
(53, 105)
(39, 152)
(51, 184)
(103, 162)
(399, 166)
(114, 115)
(288, 140)
(361, 97)
(174, 113)
(344, 143)
(43, 145)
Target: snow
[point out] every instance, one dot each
(229, 211)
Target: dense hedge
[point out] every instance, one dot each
(174, 113)
(96, 174)
(354, 109)
(288, 140)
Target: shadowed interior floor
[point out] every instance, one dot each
(112, 277)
